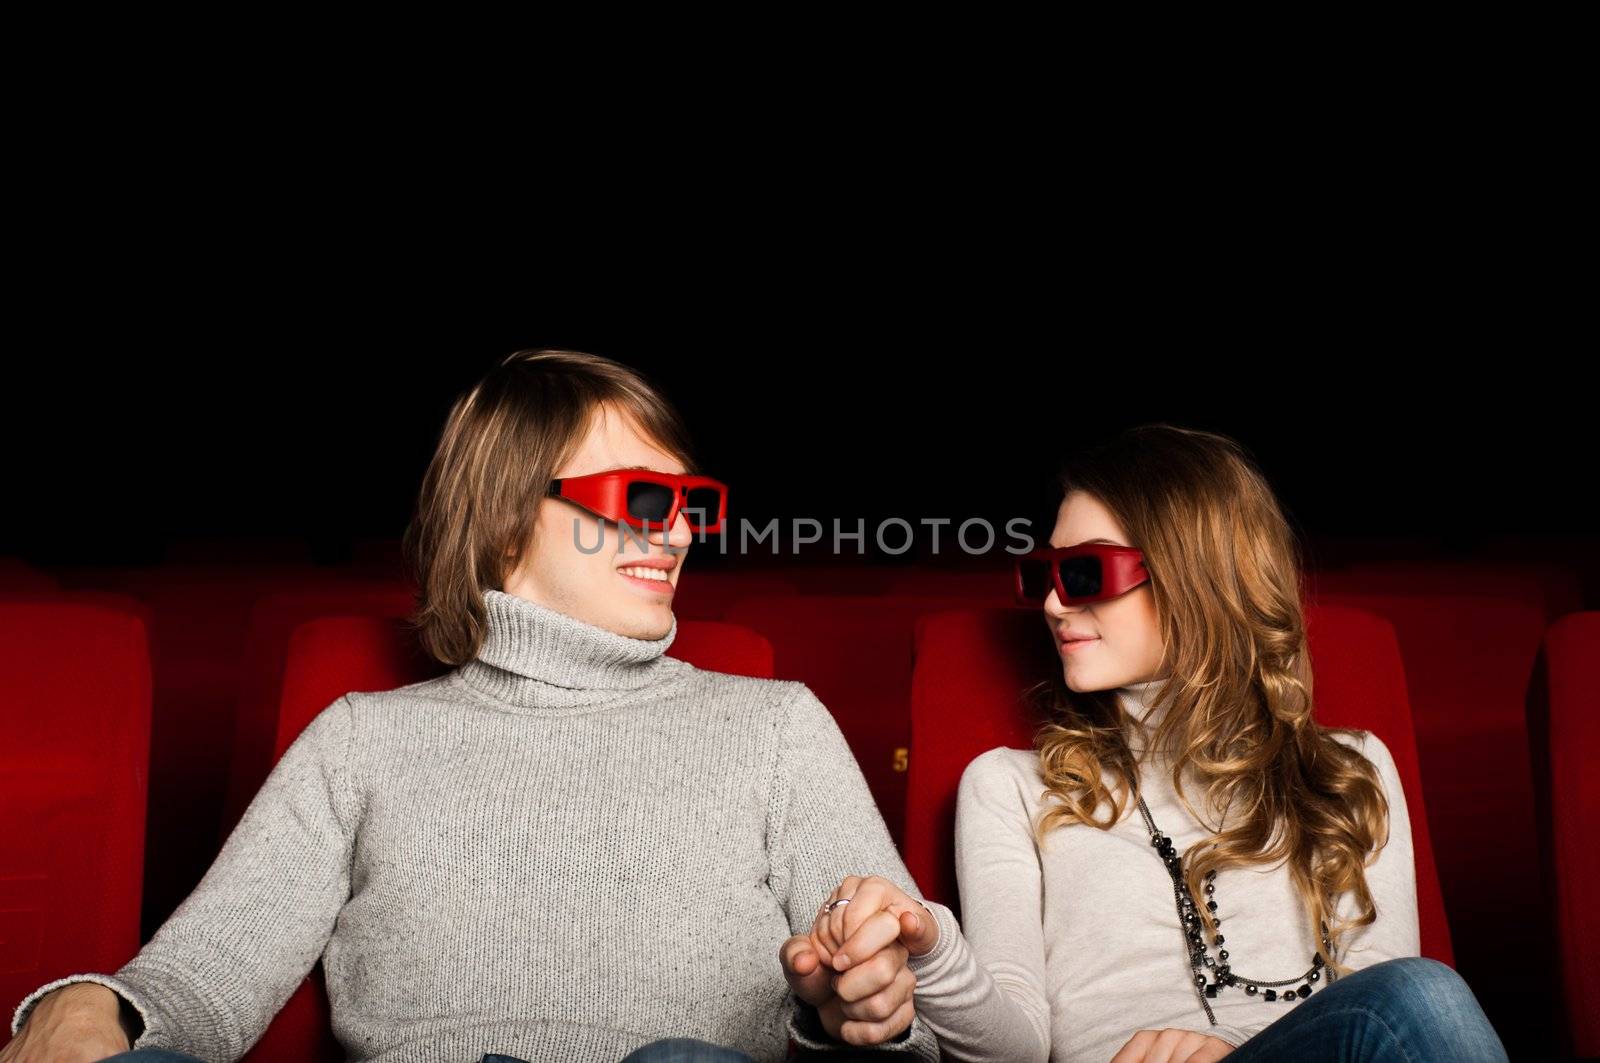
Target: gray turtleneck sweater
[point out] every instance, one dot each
(562, 850)
(1067, 953)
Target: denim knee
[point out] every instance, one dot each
(153, 1055)
(1426, 980)
(1434, 1005)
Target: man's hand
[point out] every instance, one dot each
(810, 980)
(867, 1005)
(864, 947)
(1172, 1046)
(78, 1023)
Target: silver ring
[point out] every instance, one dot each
(831, 905)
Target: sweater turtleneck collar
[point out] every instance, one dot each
(536, 658)
(1138, 700)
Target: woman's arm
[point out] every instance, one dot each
(984, 992)
(1392, 878)
(217, 972)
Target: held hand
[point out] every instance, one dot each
(811, 981)
(868, 941)
(878, 912)
(78, 1023)
(1172, 1046)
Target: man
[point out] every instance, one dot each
(569, 847)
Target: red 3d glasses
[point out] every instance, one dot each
(644, 499)
(1089, 572)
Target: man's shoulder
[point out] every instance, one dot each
(437, 692)
(734, 685)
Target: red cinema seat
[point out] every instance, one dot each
(821, 576)
(973, 664)
(1554, 588)
(1469, 661)
(75, 712)
(1568, 739)
(199, 613)
(17, 575)
(272, 620)
(707, 594)
(855, 653)
(988, 586)
(332, 656)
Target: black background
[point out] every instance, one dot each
(1404, 347)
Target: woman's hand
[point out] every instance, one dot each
(878, 913)
(1172, 1046)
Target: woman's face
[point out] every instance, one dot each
(594, 586)
(1125, 643)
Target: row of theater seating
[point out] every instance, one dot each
(203, 675)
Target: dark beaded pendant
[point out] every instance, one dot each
(1192, 927)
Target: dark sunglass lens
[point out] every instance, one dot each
(648, 501)
(1035, 578)
(1081, 576)
(703, 506)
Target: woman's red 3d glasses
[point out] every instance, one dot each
(1089, 572)
(645, 500)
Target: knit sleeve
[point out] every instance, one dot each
(1391, 877)
(823, 826)
(218, 970)
(984, 991)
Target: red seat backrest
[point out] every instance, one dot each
(1569, 744)
(1555, 589)
(855, 652)
(75, 699)
(1468, 663)
(257, 719)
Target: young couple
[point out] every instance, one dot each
(574, 847)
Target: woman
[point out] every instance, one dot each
(1106, 916)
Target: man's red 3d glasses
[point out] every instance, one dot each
(647, 500)
(1090, 572)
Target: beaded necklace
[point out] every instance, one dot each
(1192, 926)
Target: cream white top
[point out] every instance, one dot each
(1064, 954)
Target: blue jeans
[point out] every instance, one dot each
(1413, 1008)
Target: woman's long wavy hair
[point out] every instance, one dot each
(1226, 574)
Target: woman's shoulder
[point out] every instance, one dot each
(1367, 743)
(1376, 751)
(1003, 770)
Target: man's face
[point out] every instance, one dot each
(592, 584)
